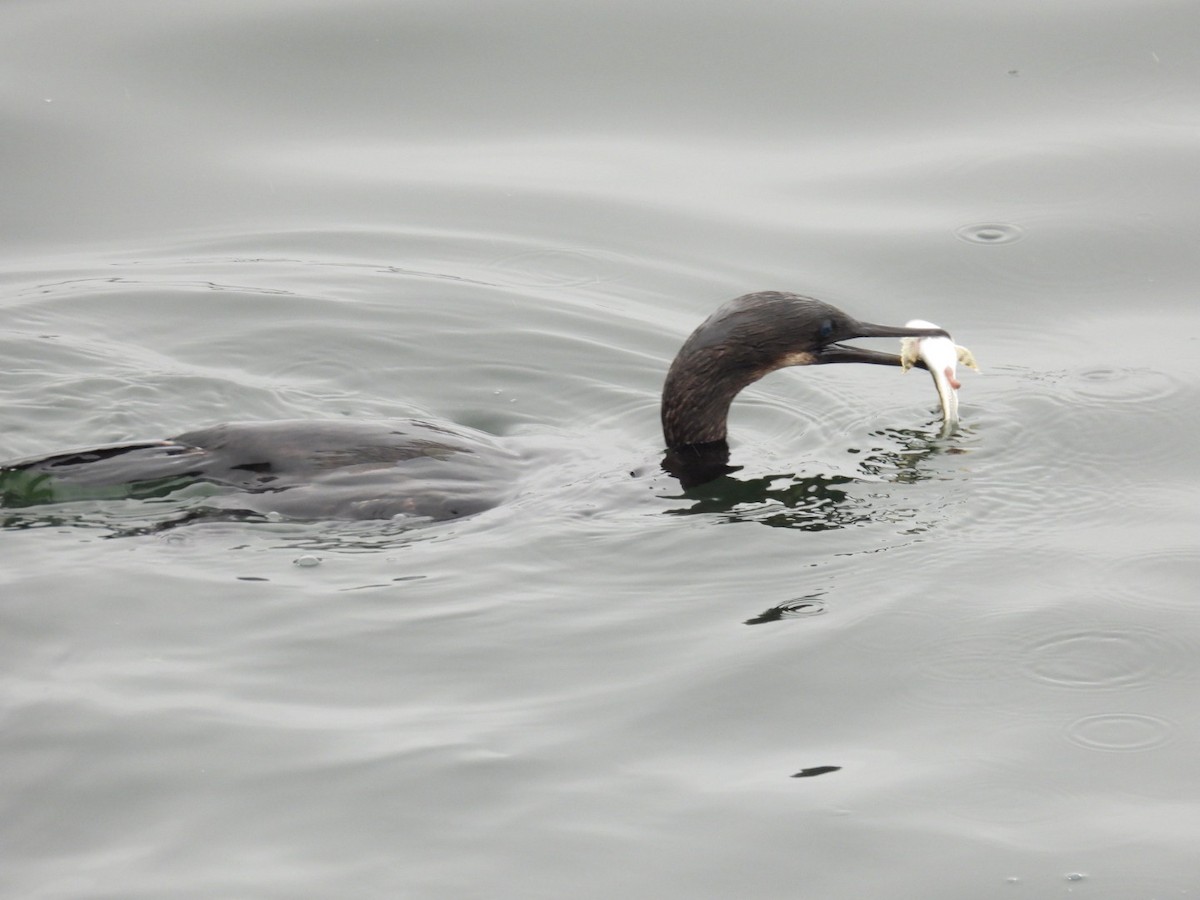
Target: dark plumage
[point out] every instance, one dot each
(749, 337)
(336, 469)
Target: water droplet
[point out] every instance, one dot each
(990, 233)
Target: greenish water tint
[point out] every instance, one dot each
(18, 489)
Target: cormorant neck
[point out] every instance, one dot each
(698, 392)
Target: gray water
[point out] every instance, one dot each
(508, 216)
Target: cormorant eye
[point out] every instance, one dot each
(826, 330)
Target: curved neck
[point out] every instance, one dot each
(697, 395)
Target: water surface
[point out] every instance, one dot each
(508, 216)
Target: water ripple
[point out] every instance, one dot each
(1097, 431)
(966, 672)
(1008, 796)
(1103, 385)
(1121, 732)
(801, 607)
(1159, 578)
(554, 268)
(988, 653)
(1100, 659)
(1080, 252)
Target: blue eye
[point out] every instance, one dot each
(826, 329)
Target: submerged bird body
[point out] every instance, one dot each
(336, 469)
(307, 469)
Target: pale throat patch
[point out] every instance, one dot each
(797, 358)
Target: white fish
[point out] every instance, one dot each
(941, 356)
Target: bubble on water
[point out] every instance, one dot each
(990, 233)
(307, 561)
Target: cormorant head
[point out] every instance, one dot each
(749, 337)
(758, 333)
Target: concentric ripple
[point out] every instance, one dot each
(1121, 732)
(1102, 659)
(1105, 385)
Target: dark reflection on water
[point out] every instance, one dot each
(806, 503)
(813, 771)
(906, 463)
(818, 502)
(114, 524)
(802, 607)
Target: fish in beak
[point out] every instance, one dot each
(941, 356)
